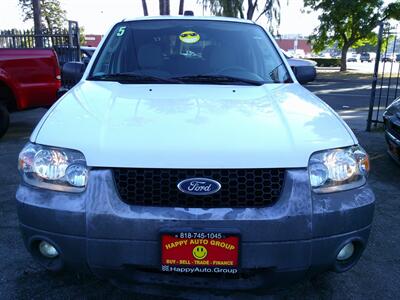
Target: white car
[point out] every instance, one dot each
(218, 164)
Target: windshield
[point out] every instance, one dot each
(189, 51)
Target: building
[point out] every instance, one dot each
(295, 45)
(92, 40)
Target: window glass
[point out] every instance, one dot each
(184, 48)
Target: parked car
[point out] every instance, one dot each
(392, 129)
(295, 53)
(388, 57)
(398, 57)
(304, 69)
(28, 78)
(366, 56)
(353, 57)
(218, 165)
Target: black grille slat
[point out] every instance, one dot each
(239, 187)
(396, 128)
(393, 126)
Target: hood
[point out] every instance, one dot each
(192, 126)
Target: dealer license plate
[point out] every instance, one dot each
(200, 252)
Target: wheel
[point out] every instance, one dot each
(4, 119)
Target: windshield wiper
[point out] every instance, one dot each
(218, 79)
(132, 78)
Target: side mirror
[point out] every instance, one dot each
(72, 72)
(305, 74)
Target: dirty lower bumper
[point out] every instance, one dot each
(95, 231)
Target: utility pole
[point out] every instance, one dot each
(37, 23)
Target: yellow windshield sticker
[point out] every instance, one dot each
(189, 37)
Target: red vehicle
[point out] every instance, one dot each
(28, 78)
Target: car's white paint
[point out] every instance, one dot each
(193, 126)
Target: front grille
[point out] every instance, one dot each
(239, 187)
(396, 129)
(393, 126)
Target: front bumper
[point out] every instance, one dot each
(95, 231)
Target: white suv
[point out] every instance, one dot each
(188, 146)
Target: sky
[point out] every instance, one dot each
(97, 16)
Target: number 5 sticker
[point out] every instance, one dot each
(121, 31)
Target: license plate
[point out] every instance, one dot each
(200, 252)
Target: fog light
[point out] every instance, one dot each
(346, 252)
(47, 250)
(77, 175)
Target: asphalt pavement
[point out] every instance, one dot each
(376, 276)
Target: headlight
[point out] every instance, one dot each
(53, 168)
(338, 169)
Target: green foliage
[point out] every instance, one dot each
(236, 9)
(82, 35)
(327, 62)
(393, 11)
(369, 44)
(349, 23)
(226, 8)
(53, 16)
(343, 21)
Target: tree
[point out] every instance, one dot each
(82, 40)
(226, 8)
(53, 16)
(164, 7)
(37, 22)
(271, 9)
(349, 23)
(144, 5)
(181, 5)
(236, 8)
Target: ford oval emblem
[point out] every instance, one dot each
(199, 186)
